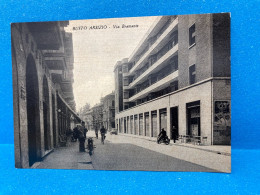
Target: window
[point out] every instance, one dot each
(125, 69)
(192, 70)
(192, 35)
(126, 82)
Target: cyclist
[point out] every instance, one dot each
(103, 132)
(162, 135)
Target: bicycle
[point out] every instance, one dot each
(90, 146)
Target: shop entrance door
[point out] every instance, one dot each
(33, 115)
(193, 117)
(154, 124)
(124, 125)
(163, 120)
(174, 122)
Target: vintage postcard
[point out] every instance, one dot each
(141, 93)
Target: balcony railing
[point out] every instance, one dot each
(153, 39)
(155, 78)
(154, 58)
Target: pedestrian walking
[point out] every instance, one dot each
(80, 135)
(174, 133)
(85, 132)
(103, 134)
(96, 132)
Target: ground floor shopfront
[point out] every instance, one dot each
(200, 110)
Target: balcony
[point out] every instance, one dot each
(162, 35)
(126, 100)
(163, 80)
(154, 67)
(46, 34)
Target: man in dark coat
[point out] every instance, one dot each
(174, 133)
(85, 132)
(80, 135)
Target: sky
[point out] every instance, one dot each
(96, 51)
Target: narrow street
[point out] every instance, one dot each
(123, 153)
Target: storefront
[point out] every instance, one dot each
(163, 119)
(135, 124)
(131, 124)
(154, 124)
(147, 125)
(141, 124)
(193, 118)
(222, 123)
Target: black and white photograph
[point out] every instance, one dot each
(131, 94)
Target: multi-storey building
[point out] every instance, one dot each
(178, 75)
(97, 115)
(109, 111)
(88, 118)
(44, 106)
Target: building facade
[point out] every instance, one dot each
(44, 106)
(179, 75)
(97, 115)
(109, 111)
(88, 118)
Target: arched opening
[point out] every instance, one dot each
(33, 116)
(46, 114)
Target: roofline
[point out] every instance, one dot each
(145, 37)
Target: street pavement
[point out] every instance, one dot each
(187, 152)
(66, 158)
(127, 153)
(127, 156)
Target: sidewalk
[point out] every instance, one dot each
(223, 150)
(212, 158)
(66, 158)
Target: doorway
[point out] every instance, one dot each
(193, 118)
(174, 122)
(46, 115)
(124, 125)
(154, 124)
(33, 115)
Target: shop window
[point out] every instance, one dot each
(192, 35)
(192, 71)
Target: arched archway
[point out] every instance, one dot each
(33, 116)
(46, 114)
